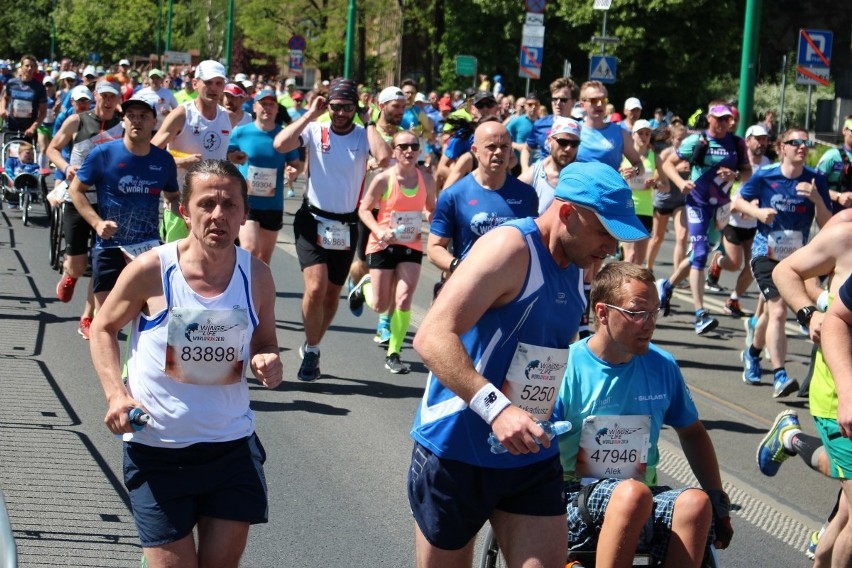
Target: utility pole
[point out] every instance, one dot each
(350, 40)
(751, 33)
(229, 31)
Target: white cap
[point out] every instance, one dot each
(632, 103)
(107, 87)
(247, 84)
(210, 69)
(240, 77)
(290, 81)
(756, 130)
(565, 125)
(90, 70)
(81, 92)
(48, 79)
(67, 75)
(124, 62)
(640, 124)
(420, 98)
(391, 93)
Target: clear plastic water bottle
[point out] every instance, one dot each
(397, 232)
(138, 418)
(551, 429)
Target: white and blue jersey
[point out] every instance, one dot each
(791, 227)
(543, 318)
(605, 145)
(465, 211)
(648, 385)
(129, 188)
(264, 165)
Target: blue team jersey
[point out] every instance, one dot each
(25, 97)
(262, 159)
(129, 188)
(543, 317)
(465, 211)
(605, 145)
(537, 138)
(648, 385)
(791, 227)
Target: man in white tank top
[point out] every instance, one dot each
(196, 396)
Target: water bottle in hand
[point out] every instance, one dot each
(551, 429)
(138, 418)
(397, 232)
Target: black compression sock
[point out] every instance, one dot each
(809, 447)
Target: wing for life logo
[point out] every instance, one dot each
(483, 222)
(205, 347)
(132, 184)
(614, 436)
(548, 370)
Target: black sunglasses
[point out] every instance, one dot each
(413, 146)
(562, 100)
(345, 107)
(799, 142)
(566, 142)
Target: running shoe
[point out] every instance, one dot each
(382, 337)
(395, 365)
(750, 325)
(751, 368)
(784, 385)
(664, 289)
(356, 297)
(733, 309)
(309, 371)
(704, 323)
(771, 453)
(83, 330)
(714, 271)
(65, 288)
(291, 193)
(814, 541)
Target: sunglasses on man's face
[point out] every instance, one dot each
(567, 143)
(345, 107)
(597, 101)
(562, 100)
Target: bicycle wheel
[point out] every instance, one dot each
(25, 207)
(490, 556)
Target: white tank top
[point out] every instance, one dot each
(546, 192)
(202, 136)
(187, 364)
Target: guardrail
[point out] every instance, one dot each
(8, 548)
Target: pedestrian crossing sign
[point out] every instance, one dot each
(602, 68)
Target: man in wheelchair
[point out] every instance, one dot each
(619, 390)
(20, 173)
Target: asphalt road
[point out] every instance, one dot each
(338, 449)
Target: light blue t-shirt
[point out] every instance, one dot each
(648, 385)
(605, 145)
(465, 211)
(795, 212)
(129, 189)
(545, 314)
(262, 158)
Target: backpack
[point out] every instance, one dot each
(700, 152)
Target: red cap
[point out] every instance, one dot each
(235, 90)
(445, 104)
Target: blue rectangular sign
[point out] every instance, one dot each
(602, 68)
(815, 48)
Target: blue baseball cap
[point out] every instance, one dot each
(601, 188)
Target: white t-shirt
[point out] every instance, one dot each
(337, 166)
(166, 101)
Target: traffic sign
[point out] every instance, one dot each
(466, 65)
(602, 4)
(536, 6)
(602, 68)
(530, 62)
(177, 58)
(812, 75)
(297, 42)
(296, 65)
(815, 48)
(534, 19)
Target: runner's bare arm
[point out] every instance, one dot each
(265, 357)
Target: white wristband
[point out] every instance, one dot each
(488, 402)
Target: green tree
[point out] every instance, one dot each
(111, 28)
(26, 28)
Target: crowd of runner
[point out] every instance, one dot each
(545, 213)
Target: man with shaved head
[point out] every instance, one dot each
(480, 201)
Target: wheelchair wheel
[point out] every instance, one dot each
(57, 237)
(43, 197)
(490, 556)
(25, 207)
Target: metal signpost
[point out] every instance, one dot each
(602, 67)
(814, 62)
(532, 42)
